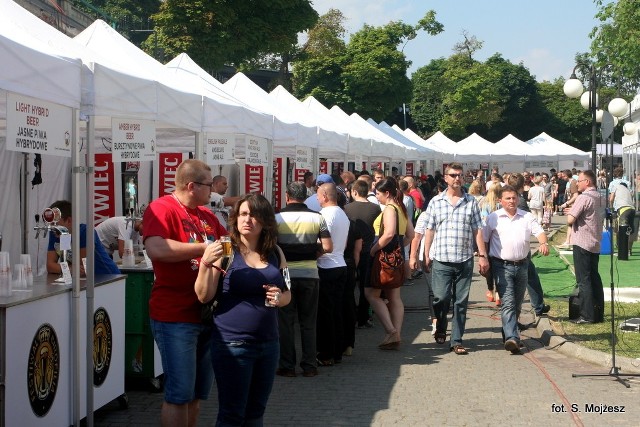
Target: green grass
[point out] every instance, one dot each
(558, 282)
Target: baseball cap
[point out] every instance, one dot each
(323, 179)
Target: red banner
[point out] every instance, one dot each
(324, 167)
(104, 201)
(169, 163)
(298, 174)
(279, 179)
(254, 179)
(409, 171)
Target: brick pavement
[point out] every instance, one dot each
(424, 384)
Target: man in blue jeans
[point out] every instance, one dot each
(453, 222)
(506, 235)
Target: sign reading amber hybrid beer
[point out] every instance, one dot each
(220, 149)
(133, 140)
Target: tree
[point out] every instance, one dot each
(229, 32)
(367, 75)
(617, 41)
(469, 46)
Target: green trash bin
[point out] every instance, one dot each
(139, 346)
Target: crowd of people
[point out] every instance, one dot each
(311, 263)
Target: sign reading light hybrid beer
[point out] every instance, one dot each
(220, 149)
(133, 140)
(256, 151)
(36, 126)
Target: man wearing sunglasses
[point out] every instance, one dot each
(453, 223)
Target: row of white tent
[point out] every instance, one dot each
(103, 75)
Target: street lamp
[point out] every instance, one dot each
(573, 88)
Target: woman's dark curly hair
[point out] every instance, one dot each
(262, 211)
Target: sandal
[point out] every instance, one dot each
(489, 295)
(441, 337)
(395, 345)
(459, 349)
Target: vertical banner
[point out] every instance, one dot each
(324, 167)
(104, 200)
(133, 140)
(409, 169)
(167, 165)
(254, 178)
(299, 174)
(279, 183)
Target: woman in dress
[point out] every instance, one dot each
(391, 315)
(245, 349)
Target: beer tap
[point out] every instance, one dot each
(133, 215)
(38, 228)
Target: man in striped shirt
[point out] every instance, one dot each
(299, 229)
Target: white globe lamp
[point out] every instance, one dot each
(629, 128)
(586, 98)
(618, 107)
(573, 88)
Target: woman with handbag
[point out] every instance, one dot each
(393, 231)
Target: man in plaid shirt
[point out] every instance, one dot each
(453, 222)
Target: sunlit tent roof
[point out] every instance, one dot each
(544, 143)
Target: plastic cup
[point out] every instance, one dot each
(19, 281)
(128, 257)
(226, 246)
(25, 259)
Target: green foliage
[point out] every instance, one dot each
(219, 32)
(617, 41)
(367, 75)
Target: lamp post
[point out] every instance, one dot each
(573, 88)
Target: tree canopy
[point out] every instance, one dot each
(231, 32)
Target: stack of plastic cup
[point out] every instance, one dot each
(128, 257)
(5, 274)
(25, 259)
(19, 281)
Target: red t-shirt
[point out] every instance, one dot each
(173, 298)
(418, 198)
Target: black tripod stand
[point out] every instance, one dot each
(615, 370)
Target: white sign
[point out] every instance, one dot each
(36, 126)
(256, 151)
(220, 149)
(304, 157)
(133, 140)
(358, 161)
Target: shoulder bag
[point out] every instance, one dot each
(387, 271)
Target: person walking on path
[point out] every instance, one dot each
(299, 230)
(506, 235)
(453, 222)
(177, 229)
(586, 217)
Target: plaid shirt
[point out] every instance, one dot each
(454, 227)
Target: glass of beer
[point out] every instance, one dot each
(226, 246)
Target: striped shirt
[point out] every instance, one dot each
(588, 211)
(299, 229)
(454, 227)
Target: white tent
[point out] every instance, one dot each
(444, 145)
(391, 150)
(474, 148)
(287, 129)
(413, 150)
(332, 142)
(544, 143)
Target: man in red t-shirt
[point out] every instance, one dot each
(415, 193)
(177, 230)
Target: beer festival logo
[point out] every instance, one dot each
(102, 343)
(43, 370)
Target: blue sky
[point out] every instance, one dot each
(544, 35)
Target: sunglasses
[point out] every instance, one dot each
(455, 175)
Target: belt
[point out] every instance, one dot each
(505, 262)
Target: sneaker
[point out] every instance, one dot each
(416, 274)
(284, 372)
(512, 346)
(310, 372)
(327, 362)
(545, 310)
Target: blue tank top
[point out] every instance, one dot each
(241, 314)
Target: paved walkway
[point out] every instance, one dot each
(424, 384)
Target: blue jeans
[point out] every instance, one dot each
(244, 377)
(536, 295)
(449, 279)
(511, 282)
(185, 349)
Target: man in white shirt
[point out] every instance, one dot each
(313, 201)
(115, 230)
(506, 235)
(220, 205)
(332, 270)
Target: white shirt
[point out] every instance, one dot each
(113, 229)
(338, 224)
(509, 237)
(219, 209)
